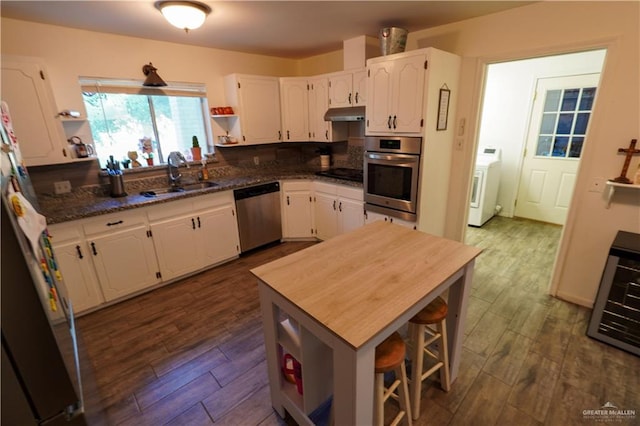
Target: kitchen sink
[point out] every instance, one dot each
(181, 188)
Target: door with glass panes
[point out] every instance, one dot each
(557, 133)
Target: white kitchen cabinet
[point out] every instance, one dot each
(338, 209)
(373, 217)
(122, 252)
(190, 235)
(27, 91)
(256, 101)
(348, 88)
(74, 262)
(294, 97)
(297, 210)
(395, 91)
(319, 129)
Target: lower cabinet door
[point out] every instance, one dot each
(218, 234)
(175, 241)
(125, 261)
(350, 214)
(78, 275)
(326, 215)
(297, 215)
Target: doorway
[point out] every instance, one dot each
(508, 118)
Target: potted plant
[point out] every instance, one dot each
(196, 153)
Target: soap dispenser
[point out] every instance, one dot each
(204, 171)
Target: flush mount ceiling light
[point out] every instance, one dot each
(153, 79)
(187, 15)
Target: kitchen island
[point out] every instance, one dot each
(330, 305)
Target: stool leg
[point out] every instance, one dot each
(417, 358)
(378, 402)
(445, 380)
(403, 393)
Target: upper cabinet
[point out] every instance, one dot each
(348, 88)
(395, 91)
(319, 129)
(294, 96)
(27, 91)
(256, 100)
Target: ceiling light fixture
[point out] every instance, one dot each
(153, 79)
(187, 15)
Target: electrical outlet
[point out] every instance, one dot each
(459, 143)
(597, 184)
(256, 160)
(62, 187)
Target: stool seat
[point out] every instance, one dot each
(390, 353)
(433, 313)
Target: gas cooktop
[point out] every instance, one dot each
(344, 173)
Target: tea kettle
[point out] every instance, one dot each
(82, 150)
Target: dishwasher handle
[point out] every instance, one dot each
(255, 191)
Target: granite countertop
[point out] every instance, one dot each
(58, 209)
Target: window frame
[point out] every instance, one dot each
(175, 89)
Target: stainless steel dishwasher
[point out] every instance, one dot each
(259, 213)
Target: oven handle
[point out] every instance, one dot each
(395, 158)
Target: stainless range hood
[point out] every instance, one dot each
(355, 113)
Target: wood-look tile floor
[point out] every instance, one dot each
(192, 353)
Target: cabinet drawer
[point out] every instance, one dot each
(64, 232)
(325, 187)
(213, 200)
(296, 185)
(355, 194)
(114, 221)
(170, 210)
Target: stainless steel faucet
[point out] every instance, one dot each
(173, 163)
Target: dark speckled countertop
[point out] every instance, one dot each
(60, 209)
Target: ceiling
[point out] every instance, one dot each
(289, 29)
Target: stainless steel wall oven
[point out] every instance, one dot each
(391, 170)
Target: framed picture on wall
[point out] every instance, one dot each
(443, 108)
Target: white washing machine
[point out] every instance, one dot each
(484, 192)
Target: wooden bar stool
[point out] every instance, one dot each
(422, 334)
(390, 357)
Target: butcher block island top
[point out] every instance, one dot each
(358, 283)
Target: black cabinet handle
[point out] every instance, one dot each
(326, 134)
(356, 97)
(80, 256)
(93, 248)
(349, 98)
(288, 137)
(394, 121)
(340, 206)
(193, 223)
(389, 122)
(288, 203)
(334, 204)
(279, 135)
(198, 221)
(115, 223)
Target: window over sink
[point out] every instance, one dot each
(128, 120)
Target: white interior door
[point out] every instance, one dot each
(557, 133)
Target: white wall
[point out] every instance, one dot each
(509, 90)
(568, 27)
